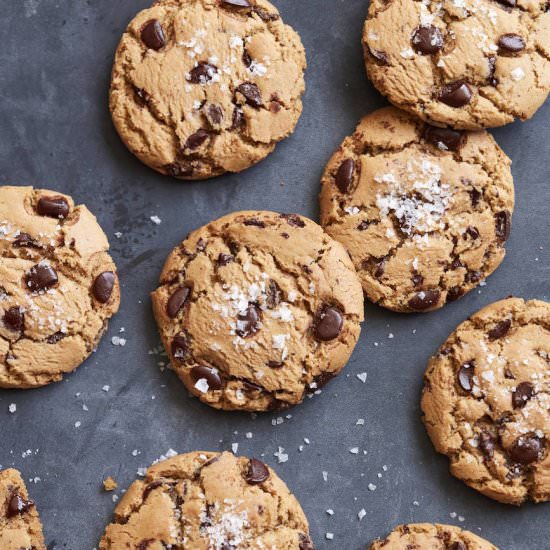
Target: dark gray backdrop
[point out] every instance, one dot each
(55, 132)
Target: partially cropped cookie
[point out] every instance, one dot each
(207, 501)
(204, 87)
(428, 536)
(424, 212)
(20, 527)
(58, 286)
(465, 64)
(486, 403)
(257, 309)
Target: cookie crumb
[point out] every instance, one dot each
(109, 484)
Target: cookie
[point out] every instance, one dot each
(257, 309)
(424, 212)
(58, 286)
(204, 87)
(208, 501)
(466, 64)
(486, 403)
(428, 536)
(20, 526)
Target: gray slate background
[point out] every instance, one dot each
(55, 132)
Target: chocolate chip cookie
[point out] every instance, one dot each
(20, 526)
(423, 211)
(428, 536)
(257, 309)
(486, 402)
(208, 501)
(58, 286)
(204, 87)
(467, 64)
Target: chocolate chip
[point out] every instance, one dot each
(177, 301)
(344, 175)
(14, 319)
(454, 293)
(475, 196)
(238, 119)
(471, 232)
(458, 546)
(508, 3)
(251, 93)
(465, 376)
(254, 222)
(526, 449)
(417, 280)
(457, 94)
(328, 323)
(427, 40)
(17, 505)
(41, 277)
(425, 299)
(522, 394)
(275, 364)
(247, 60)
(305, 542)
(380, 58)
(492, 62)
(144, 544)
(214, 114)
(294, 220)
(248, 322)
(179, 169)
(151, 487)
(224, 259)
(273, 294)
(503, 224)
(511, 43)
(487, 444)
(152, 35)
(202, 73)
(509, 374)
(236, 3)
(500, 330)
(24, 240)
(53, 207)
(473, 276)
(194, 141)
(380, 268)
(55, 337)
(257, 472)
(180, 346)
(363, 226)
(210, 374)
(444, 138)
(103, 286)
(142, 97)
(264, 15)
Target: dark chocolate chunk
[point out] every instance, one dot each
(456, 94)
(424, 300)
(41, 277)
(427, 40)
(152, 35)
(177, 301)
(53, 207)
(344, 175)
(328, 323)
(210, 374)
(103, 286)
(257, 472)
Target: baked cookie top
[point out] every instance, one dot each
(203, 87)
(58, 286)
(424, 212)
(256, 309)
(20, 526)
(486, 401)
(208, 501)
(463, 63)
(428, 536)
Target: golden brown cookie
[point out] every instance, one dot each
(58, 286)
(424, 212)
(257, 309)
(203, 87)
(428, 536)
(486, 403)
(20, 527)
(207, 501)
(466, 64)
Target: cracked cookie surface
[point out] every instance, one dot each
(257, 309)
(20, 527)
(204, 87)
(428, 536)
(58, 286)
(465, 64)
(208, 501)
(424, 212)
(486, 401)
